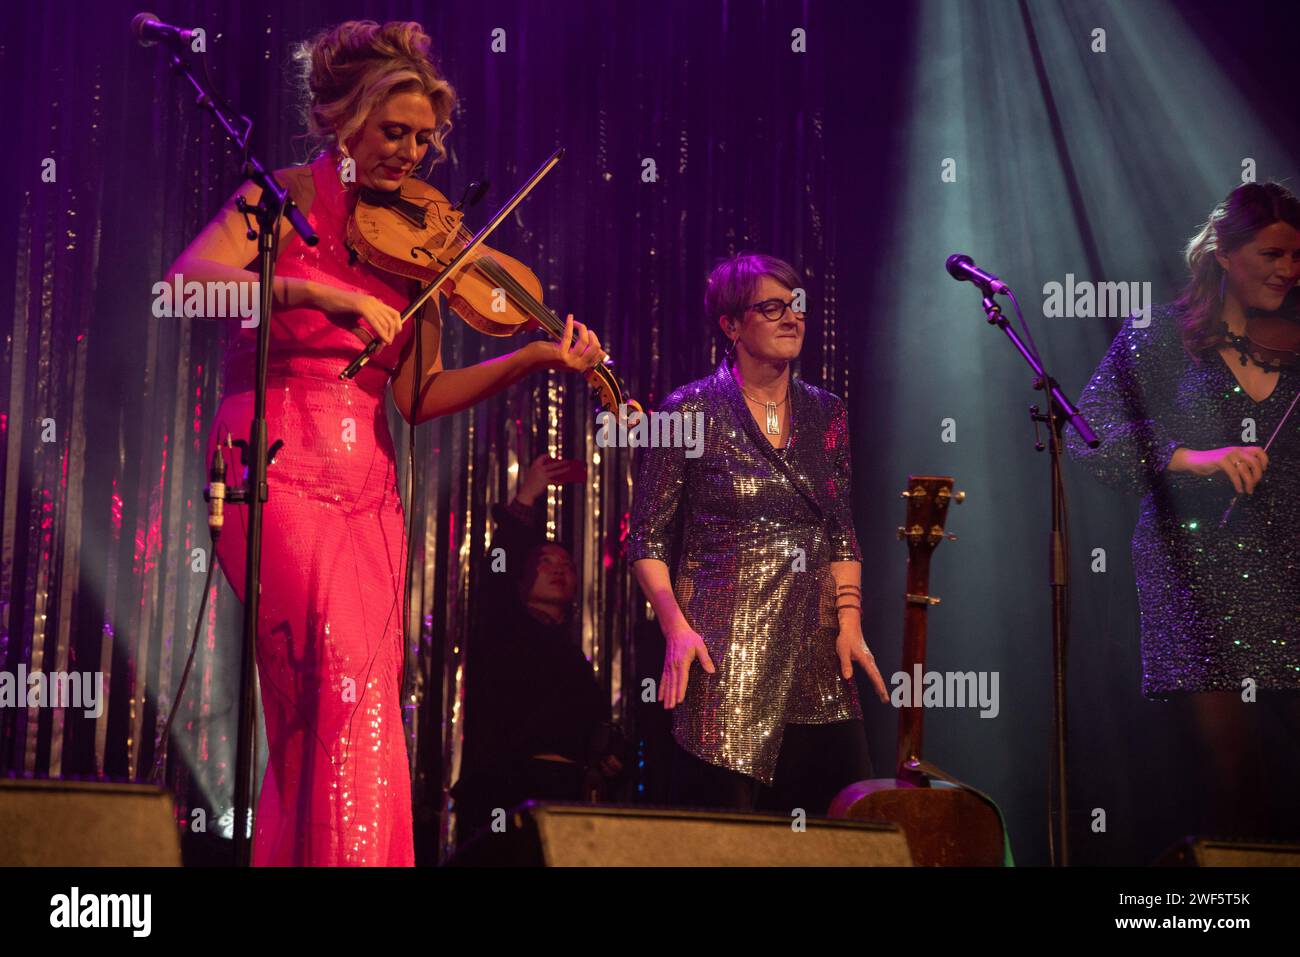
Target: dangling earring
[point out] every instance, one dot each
(731, 353)
(1223, 286)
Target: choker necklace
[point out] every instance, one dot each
(1243, 345)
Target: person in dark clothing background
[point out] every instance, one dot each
(536, 719)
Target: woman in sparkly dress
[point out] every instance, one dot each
(1183, 411)
(765, 595)
(330, 628)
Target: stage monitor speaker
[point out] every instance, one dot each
(584, 835)
(1207, 852)
(82, 824)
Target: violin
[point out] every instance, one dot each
(1272, 338)
(416, 232)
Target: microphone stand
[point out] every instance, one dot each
(275, 202)
(1060, 409)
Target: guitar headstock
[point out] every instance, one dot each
(928, 498)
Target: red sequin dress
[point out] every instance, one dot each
(329, 638)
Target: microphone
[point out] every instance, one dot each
(216, 494)
(148, 29)
(962, 268)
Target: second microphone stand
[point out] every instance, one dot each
(1059, 410)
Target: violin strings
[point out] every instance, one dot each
(538, 310)
(535, 308)
(507, 282)
(513, 288)
(500, 275)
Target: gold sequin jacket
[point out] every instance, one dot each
(752, 531)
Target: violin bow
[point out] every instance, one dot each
(1233, 504)
(373, 346)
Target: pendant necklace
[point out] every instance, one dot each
(773, 421)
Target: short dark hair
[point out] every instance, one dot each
(730, 287)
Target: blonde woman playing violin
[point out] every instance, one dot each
(329, 636)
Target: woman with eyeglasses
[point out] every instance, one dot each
(761, 615)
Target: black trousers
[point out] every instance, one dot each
(815, 763)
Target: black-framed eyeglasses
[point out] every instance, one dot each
(773, 309)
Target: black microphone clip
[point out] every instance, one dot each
(473, 194)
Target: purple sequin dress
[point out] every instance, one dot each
(1218, 605)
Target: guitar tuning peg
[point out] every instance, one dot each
(959, 497)
(951, 537)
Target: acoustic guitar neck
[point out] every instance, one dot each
(928, 498)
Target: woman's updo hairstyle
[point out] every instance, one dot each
(349, 69)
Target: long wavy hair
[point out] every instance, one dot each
(1232, 224)
(349, 69)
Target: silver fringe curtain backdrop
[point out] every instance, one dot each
(1071, 162)
(683, 145)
